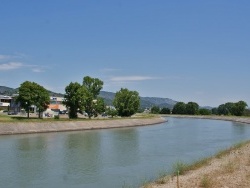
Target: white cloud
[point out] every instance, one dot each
(4, 57)
(12, 62)
(10, 66)
(109, 70)
(131, 78)
(37, 69)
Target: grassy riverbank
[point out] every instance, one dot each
(22, 125)
(228, 168)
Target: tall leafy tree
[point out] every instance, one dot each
(239, 108)
(192, 108)
(42, 99)
(31, 93)
(222, 110)
(100, 105)
(126, 102)
(179, 108)
(230, 106)
(92, 103)
(74, 98)
(79, 98)
(93, 85)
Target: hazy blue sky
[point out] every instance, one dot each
(184, 50)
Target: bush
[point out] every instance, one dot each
(56, 117)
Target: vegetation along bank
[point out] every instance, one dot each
(229, 168)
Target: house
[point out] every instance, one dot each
(5, 102)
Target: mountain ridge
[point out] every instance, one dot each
(146, 102)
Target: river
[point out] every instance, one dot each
(124, 157)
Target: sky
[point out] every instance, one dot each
(183, 50)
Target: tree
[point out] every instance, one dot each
(126, 102)
(155, 110)
(74, 98)
(100, 106)
(42, 99)
(222, 110)
(79, 98)
(204, 111)
(93, 85)
(179, 108)
(239, 108)
(111, 112)
(165, 111)
(92, 104)
(215, 111)
(192, 108)
(230, 106)
(236, 109)
(31, 93)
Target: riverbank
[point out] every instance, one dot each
(7, 128)
(225, 118)
(227, 169)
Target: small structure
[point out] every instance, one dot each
(5, 102)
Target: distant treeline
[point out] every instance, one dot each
(192, 108)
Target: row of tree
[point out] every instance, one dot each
(230, 108)
(80, 98)
(84, 98)
(192, 108)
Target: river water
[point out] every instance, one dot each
(123, 157)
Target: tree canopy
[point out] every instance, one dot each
(73, 98)
(93, 85)
(231, 108)
(165, 111)
(179, 108)
(126, 102)
(155, 110)
(31, 93)
(192, 108)
(79, 98)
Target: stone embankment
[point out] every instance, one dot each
(58, 126)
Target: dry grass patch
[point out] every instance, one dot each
(163, 180)
(206, 182)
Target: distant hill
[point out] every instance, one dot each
(146, 102)
(10, 91)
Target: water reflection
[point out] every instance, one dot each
(31, 162)
(82, 158)
(125, 147)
